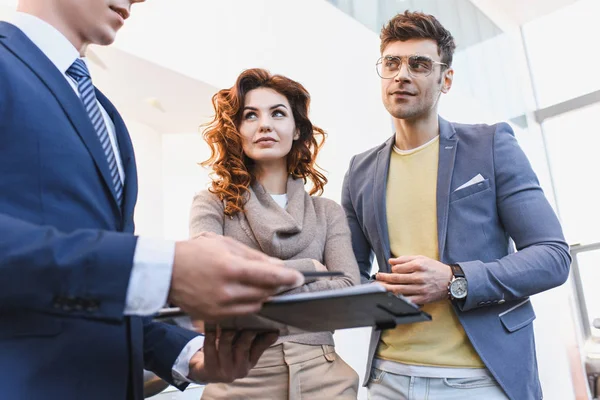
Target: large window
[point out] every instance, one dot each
(563, 60)
(563, 52)
(573, 149)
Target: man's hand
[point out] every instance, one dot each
(225, 358)
(216, 277)
(419, 278)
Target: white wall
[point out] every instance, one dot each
(149, 210)
(182, 177)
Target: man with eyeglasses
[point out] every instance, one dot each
(440, 205)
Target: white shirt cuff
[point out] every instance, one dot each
(150, 276)
(181, 367)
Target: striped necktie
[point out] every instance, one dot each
(79, 71)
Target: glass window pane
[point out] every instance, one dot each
(562, 50)
(573, 144)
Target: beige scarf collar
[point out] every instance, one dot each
(280, 233)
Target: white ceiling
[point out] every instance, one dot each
(163, 99)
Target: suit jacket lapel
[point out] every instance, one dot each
(448, 145)
(18, 43)
(382, 165)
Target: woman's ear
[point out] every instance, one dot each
(297, 134)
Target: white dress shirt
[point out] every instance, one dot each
(153, 258)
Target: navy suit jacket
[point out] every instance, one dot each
(66, 247)
(475, 228)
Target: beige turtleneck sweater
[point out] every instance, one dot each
(309, 228)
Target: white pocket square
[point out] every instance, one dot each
(476, 179)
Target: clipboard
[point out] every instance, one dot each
(329, 310)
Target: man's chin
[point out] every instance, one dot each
(404, 113)
(105, 38)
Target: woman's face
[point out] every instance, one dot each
(268, 128)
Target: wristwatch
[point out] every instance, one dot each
(457, 288)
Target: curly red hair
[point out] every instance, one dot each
(232, 173)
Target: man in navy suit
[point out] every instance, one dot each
(442, 205)
(76, 285)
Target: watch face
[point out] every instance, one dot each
(458, 288)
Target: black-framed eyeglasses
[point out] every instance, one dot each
(418, 65)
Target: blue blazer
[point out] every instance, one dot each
(475, 228)
(66, 247)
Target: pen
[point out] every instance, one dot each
(322, 274)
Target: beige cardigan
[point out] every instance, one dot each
(309, 228)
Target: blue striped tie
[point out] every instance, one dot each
(79, 71)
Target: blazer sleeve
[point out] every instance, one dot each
(84, 273)
(163, 343)
(206, 215)
(337, 254)
(542, 260)
(360, 245)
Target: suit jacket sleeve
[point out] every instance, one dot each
(360, 244)
(542, 261)
(84, 273)
(162, 345)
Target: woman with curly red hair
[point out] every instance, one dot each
(264, 149)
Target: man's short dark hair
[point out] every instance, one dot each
(417, 25)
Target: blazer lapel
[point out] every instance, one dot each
(382, 166)
(448, 145)
(18, 43)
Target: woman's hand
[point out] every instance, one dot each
(319, 267)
